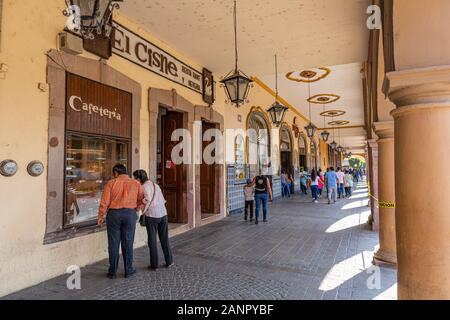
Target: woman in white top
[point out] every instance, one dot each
(314, 183)
(156, 221)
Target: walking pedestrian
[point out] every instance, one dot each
(121, 198)
(249, 196)
(285, 189)
(332, 182)
(314, 184)
(263, 192)
(340, 186)
(303, 182)
(156, 221)
(321, 182)
(349, 180)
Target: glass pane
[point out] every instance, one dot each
(243, 84)
(231, 86)
(89, 163)
(87, 7)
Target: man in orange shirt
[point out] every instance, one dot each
(121, 198)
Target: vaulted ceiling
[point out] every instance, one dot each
(304, 34)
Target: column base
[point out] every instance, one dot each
(384, 259)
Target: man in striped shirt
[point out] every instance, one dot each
(121, 198)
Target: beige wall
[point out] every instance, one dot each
(24, 260)
(420, 36)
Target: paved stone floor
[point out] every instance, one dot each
(305, 251)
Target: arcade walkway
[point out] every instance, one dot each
(306, 251)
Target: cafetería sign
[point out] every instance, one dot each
(136, 49)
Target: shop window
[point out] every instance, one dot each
(239, 151)
(259, 141)
(98, 136)
(89, 163)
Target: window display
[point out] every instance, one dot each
(89, 163)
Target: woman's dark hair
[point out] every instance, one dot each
(313, 175)
(140, 175)
(119, 169)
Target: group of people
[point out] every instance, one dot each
(258, 191)
(123, 201)
(339, 184)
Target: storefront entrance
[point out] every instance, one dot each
(208, 198)
(171, 175)
(286, 149)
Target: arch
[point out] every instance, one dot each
(286, 147)
(258, 144)
(302, 152)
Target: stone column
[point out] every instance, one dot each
(373, 183)
(422, 183)
(386, 255)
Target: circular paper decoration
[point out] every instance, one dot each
(339, 123)
(333, 113)
(324, 98)
(309, 75)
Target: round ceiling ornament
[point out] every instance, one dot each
(339, 123)
(309, 75)
(333, 113)
(324, 98)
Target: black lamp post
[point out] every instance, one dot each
(277, 111)
(92, 17)
(236, 82)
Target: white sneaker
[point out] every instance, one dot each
(316, 201)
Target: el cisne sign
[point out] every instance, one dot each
(136, 49)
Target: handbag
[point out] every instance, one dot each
(142, 217)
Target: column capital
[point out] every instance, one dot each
(419, 88)
(384, 130)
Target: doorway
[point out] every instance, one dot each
(171, 176)
(285, 149)
(209, 200)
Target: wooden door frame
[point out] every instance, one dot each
(217, 206)
(172, 101)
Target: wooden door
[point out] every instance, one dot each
(207, 178)
(172, 175)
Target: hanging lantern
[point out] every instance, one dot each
(333, 145)
(350, 155)
(91, 17)
(325, 135)
(310, 130)
(237, 86)
(236, 82)
(277, 112)
(339, 149)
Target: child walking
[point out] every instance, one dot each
(249, 195)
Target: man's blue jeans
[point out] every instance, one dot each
(261, 198)
(121, 227)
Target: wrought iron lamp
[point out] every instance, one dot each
(91, 17)
(325, 134)
(277, 111)
(236, 82)
(310, 128)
